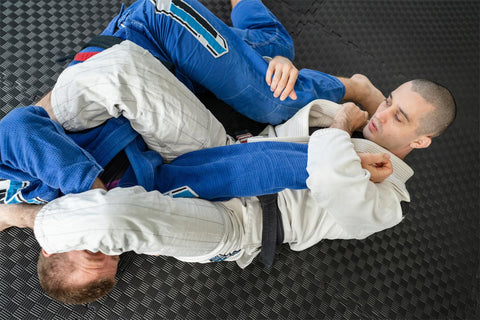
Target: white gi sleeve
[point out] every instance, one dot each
(131, 219)
(126, 80)
(342, 187)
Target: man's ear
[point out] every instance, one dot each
(421, 142)
(45, 254)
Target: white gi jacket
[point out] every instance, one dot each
(341, 202)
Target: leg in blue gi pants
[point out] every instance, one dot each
(205, 51)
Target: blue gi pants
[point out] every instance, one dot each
(41, 162)
(206, 52)
(240, 170)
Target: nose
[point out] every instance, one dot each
(383, 115)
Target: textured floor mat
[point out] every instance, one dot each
(425, 268)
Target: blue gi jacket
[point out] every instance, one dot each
(39, 161)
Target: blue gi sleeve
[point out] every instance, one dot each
(34, 145)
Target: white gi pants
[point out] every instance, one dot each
(128, 81)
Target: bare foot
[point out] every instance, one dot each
(234, 3)
(368, 96)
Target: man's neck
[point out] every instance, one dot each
(402, 153)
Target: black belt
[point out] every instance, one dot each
(116, 168)
(272, 231)
(100, 41)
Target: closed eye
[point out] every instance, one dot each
(400, 111)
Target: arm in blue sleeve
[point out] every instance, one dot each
(33, 143)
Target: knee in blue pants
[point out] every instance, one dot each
(205, 51)
(261, 30)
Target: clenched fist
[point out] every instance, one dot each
(378, 164)
(350, 118)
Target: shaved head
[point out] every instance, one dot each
(445, 109)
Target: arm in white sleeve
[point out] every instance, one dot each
(342, 187)
(131, 219)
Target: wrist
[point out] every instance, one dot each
(19, 215)
(31, 212)
(342, 125)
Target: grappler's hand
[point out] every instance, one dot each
(284, 76)
(378, 164)
(350, 118)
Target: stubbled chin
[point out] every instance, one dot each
(366, 133)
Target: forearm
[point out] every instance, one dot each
(341, 186)
(18, 215)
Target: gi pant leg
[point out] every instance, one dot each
(206, 51)
(261, 30)
(239, 170)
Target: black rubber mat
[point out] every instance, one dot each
(425, 268)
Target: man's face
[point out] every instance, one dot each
(394, 125)
(91, 266)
